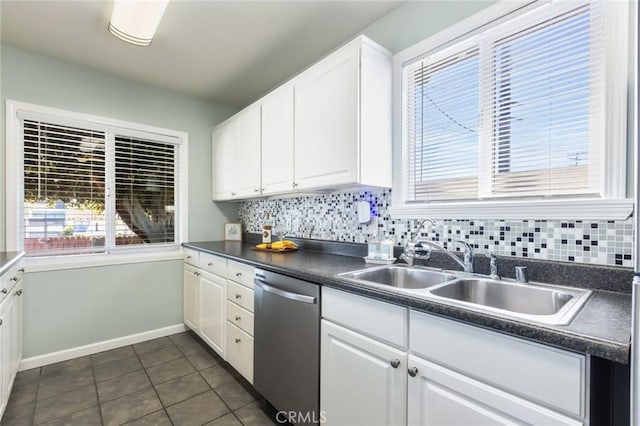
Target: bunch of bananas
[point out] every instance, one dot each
(278, 245)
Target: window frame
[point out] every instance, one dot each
(614, 203)
(14, 161)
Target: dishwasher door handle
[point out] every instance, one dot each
(286, 294)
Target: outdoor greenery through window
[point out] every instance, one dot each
(90, 190)
(512, 112)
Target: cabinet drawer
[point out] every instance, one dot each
(240, 317)
(240, 273)
(551, 376)
(214, 264)
(190, 256)
(240, 295)
(240, 351)
(377, 319)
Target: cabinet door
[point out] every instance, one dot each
(326, 122)
(212, 308)
(247, 133)
(223, 152)
(362, 381)
(240, 351)
(277, 142)
(4, 358)
(439, 396)
(191, 298)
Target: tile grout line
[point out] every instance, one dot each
(153, 386)
(211, 387)
(95, 385)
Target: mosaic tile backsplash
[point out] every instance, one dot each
(334, 217)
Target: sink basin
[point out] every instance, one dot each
(400, 277)
(541, 303)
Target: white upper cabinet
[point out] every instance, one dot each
(236, 156)
(327, 128)
(277, 141)
(343, 119)
(224, 162)
(326, 124)
(248, 136)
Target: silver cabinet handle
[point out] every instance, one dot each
(197, 274)
(19, 292)
(209, 264)
(295, 184)
(256, 190)
(395, 363)
(4, 291)
(14, 279)
(238, 318)
(188, 257)
(238, 274)
(413, 371)
(233, 194)
(0, 322)
(237, 340)
(21, 270)
(238, 296)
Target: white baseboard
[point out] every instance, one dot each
(53, 357)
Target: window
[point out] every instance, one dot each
(523, 109)
(89, 185)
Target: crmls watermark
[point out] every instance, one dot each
(298, 417)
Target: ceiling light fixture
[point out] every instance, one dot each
(136, 21)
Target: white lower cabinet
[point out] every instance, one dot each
(11, 307)
(448, 373)
(439, 396)
(363, 381)
(191, 298)
(212, 305)
(218, 306)
(240, 351)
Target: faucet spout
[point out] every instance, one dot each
(466, 266)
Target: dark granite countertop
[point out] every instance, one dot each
(602, 328)
(8, 259)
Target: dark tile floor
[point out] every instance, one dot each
(172, 380)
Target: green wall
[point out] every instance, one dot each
(69, 308)
(413, 21)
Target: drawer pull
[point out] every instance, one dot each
(4, 291)
(413, 371)
(188, 257)
(238, 296)
(237, 340)
(238, 274)
(197, 274)
(238, 318)
(19, 292)
(395, 363)
(21, 270)
(14, 279)
(0, 322)
(209, 264)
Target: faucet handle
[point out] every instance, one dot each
(522, 276)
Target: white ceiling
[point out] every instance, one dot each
(230, 52)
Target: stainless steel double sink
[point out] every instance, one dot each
(542, 303)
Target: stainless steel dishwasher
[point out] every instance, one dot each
(287, 345)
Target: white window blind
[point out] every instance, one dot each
(145, 190)
(87, 190)
(515, 111)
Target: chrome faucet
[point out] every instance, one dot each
(413, 248)
(493, 264)
(467, 263)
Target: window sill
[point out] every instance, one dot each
(611, 209)
(55, 263)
